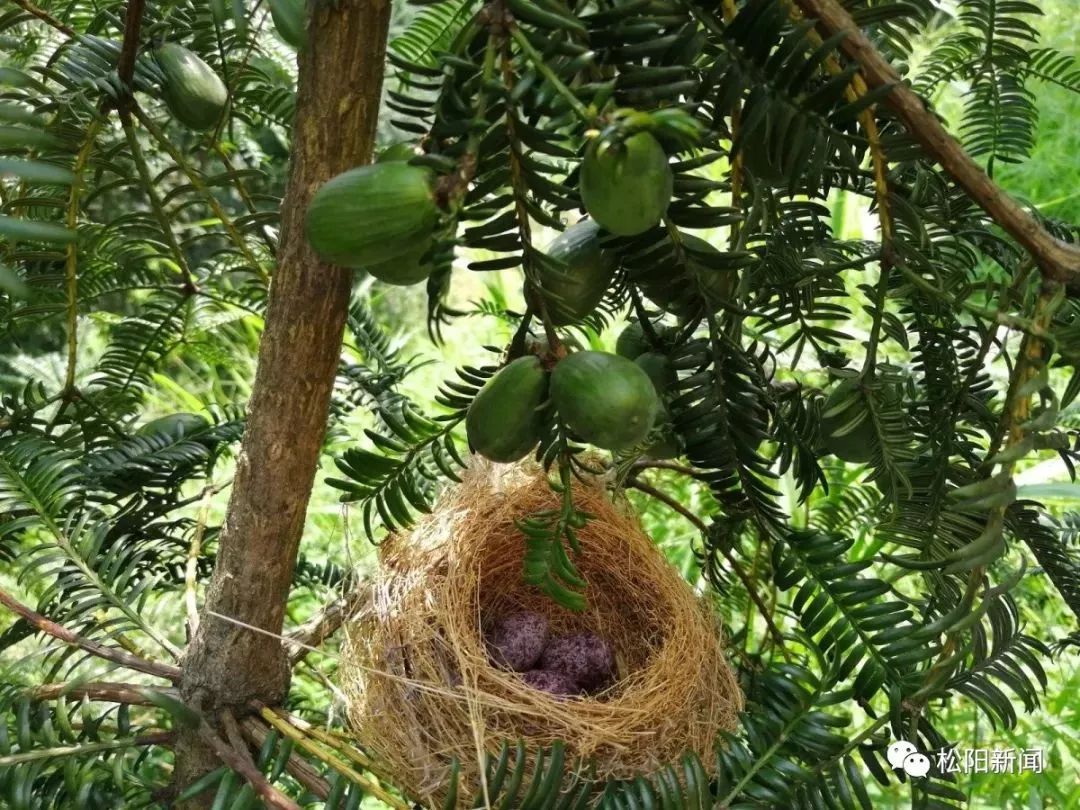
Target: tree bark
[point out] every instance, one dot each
(227, 666)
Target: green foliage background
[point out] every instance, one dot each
(215, 376)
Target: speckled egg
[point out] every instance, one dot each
(554, 682)
(517, 641)
(584, 657)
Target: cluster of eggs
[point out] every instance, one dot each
(566, 665)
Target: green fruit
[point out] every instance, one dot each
(847, 429)
(506, 420)
(663, 376)
(175, 424)
(192, 91)
(573, 283)
(632, 343)
(627, 190)
(697, 290)
(402, 150)
(411, 267)
(659, 369)
(368, 215)
(290, 20)
(605, 399)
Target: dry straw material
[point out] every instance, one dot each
(420, 686)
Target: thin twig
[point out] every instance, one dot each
(156, 204)
(855, 90)
(297, 767)
(323, 625)
(543, 67)
(33, 755)
(199, 184)
(215, 135)
(736, 168)
(71, 260)
(104, 691)
(240, 761)
(534, 298)
(245, 195)
(213, 488)
(45, 17)
(661, 464)
(673, 504)
(319, 750)
(129, 50)
(61, 633)
(331, 739)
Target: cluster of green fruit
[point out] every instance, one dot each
(193, 92)
(612, 401)
(381, 218)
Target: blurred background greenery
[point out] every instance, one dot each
(1050, 180)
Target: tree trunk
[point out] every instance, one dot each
(336, 113)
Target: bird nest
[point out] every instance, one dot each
(422, 691)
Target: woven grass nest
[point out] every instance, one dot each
(422, 691)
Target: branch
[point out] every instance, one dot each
(298, 768)
(199, 184)
(34, 755)
(45, 17)
(51, 628)
(95, 690)
(156, 203)
(1058, 261)
(330, 739)
(240, 761)
(543, 67)
(323, 625)
(661, 464)
(329, 757)
(125, 66)
(71, 277)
